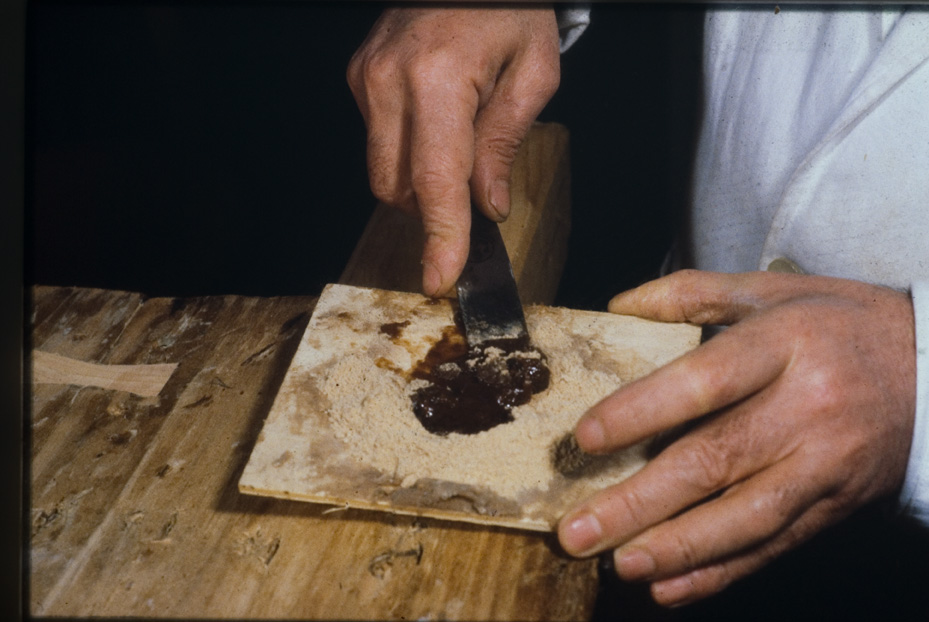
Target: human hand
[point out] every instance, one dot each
(808, 402)
(447, 96)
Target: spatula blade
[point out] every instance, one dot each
(487, 295)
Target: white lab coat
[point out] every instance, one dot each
(814, 147)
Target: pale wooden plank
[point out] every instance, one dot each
(144, 380)
(536, 234)
(389, 251)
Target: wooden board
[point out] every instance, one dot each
(342, 429)
(389, 252)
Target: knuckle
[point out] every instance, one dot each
(685, 550)
(433, 186)
(705, 465)
(354, 72)
(825, 391)
(438, 68)
(626, 507)
(353, 77)
(533, 89)
(504, 143)
(537, 80)
(772, 511)
(681, 288)
(430, 182)
(707, 384)
(703, 383)
(701, 583)
(372, 71)
(548, 81)
(441, 227)
(379, 72)
(444, 223)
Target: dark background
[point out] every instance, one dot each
(214, 148)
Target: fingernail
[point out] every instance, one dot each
(674, 592)
(590, 434)
(582, 533)
(500, 198)
(634, 564)
(432, 279)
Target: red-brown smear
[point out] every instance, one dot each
(394, 329)
(470, 391)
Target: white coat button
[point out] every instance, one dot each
(782, 264)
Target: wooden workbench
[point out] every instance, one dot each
(134, 503)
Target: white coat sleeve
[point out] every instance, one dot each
(572, 22)
(914, 498)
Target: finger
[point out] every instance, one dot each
(388, 160)
(724, 370)
(375, 84)
(736, 445)
(712, 579)
(442, 148)
(354, 76)
(520, 94)
(747, 516)
(700, 297)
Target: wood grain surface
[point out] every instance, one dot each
(134, 508)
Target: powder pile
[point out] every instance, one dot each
(342, 429)
(370, 411)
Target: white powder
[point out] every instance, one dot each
(343, 417)
(371, 411)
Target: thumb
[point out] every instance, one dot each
(498, 136)
(500, 127)
(699, 297)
